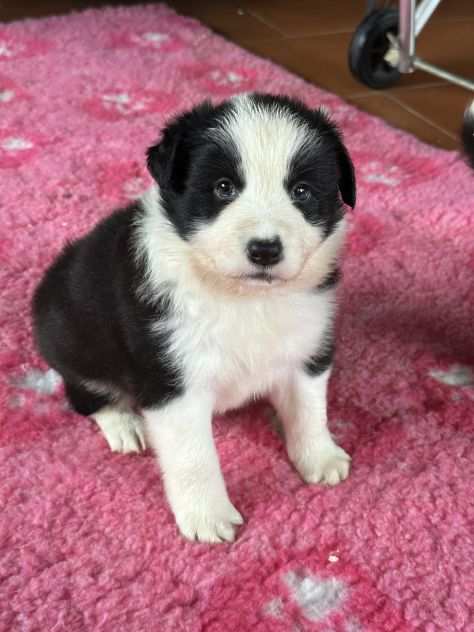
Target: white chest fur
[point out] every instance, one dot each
(240, 347)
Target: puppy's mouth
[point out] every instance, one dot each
(262, 277)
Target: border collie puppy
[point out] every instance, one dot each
(215, 288)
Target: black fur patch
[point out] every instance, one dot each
(90, 324)
(331, 280)
(188, 161)
(313, 166)
(83, 401)
(322, 360)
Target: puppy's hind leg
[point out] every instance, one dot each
(122, 428)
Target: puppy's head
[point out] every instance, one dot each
(256, 187)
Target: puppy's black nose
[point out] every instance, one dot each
(265, 252)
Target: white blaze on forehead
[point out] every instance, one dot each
(267, 138)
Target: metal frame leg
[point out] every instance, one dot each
(406, 35)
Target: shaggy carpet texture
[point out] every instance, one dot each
(86, 539)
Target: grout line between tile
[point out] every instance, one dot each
(336, 31)
(397, 90)
(263, 20)
(421, 117)
(270, 24)
(265, 40)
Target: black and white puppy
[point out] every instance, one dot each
(217, 287)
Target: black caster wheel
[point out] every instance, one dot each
(368, 48)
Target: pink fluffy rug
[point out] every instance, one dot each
(86, 540)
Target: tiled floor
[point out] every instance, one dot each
(311, 38)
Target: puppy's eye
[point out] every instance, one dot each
(225, 189)
(301, 192)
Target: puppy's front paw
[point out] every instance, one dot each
(123, 431)
(209, 522)
(323, 463)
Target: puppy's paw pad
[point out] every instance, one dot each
(330, 465)
(210, 525)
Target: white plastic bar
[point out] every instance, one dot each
(444, 74)
(423, 12)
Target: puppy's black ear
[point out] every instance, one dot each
(169, 160)
(346, 183)
(160, 157)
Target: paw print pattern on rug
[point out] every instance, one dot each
(10, 92)
(222, 81)
(376, 173)
(39, 394)
(127, 178)
(12, 48)
(300, 598)
(307, 597)
(163, 42)
(379, 174)
(114, 105)
(317, 597)
(456, 375)
(153, 40)
(6, 95)
(43, 382)
(16, 148)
